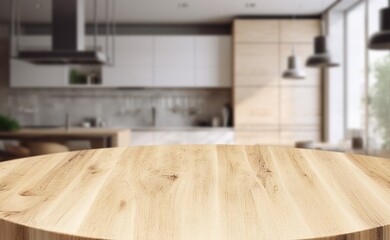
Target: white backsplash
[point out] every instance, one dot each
(118, 108)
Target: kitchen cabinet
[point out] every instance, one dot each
(117, 76)
(256, 64)
(142, 138)
(276, 109)
(300, 106)
(213, 57)
(291, 137)
(24, 74)
(174, 61)
(256, 107)
(211, 137)
(195, 136)
(299, 30)
(254, 136)
(141, 61)
(249, 31)
(170, 137)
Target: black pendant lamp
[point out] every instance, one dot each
(294, 70)
(381, 39)
(321, 57)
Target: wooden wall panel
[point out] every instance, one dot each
(299, 31)
(300, 106)
(256, 64)
(288, 110)
(252, 137)
(256, 107)
(250, 31)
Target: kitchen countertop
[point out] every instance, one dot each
(62, 131)
(182, 129)
(195, 192)
(110, 137)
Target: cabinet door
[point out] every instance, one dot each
(256, 31)
(213, 61)
(303, 51)
(291, 137)
(133, 63)
(127, 76)
(35, 42)
(256, 64)
(300, 106)
(24, 74)
(211, 137)
(170, 137)
(142, 138)
(174, 61)
(299, 31)
(265, 137)
(256, 107)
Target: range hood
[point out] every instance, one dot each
(68, 38)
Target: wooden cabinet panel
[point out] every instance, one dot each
(265, 137)
(256, 106)
(290, 137)
(303, 50)
(300, 30)
(256, 64)
(300, 106)
(256, 31)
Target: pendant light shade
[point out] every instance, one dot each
(381, 39)
(294, 71)
(321, 57)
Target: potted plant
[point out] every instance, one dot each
(8, 123)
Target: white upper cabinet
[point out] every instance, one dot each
(174, 61)
(139, 61)
(133, 63)
(24, 74)
(213, 56)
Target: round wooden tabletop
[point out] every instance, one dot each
(195, 192)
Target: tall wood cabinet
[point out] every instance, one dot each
(267, 108)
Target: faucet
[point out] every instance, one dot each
(154, 116)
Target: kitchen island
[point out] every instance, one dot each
(98, 137)
(195, 192)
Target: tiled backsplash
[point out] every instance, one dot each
(118, 108)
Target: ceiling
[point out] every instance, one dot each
(177, 11)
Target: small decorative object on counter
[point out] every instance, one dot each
(216, 121)
(8, 123)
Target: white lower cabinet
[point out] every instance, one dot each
(211, 137)
(159, 137)
(142, 138)
(170, 137)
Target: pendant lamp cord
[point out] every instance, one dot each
(294, 24)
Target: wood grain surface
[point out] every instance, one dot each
(195, 192)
